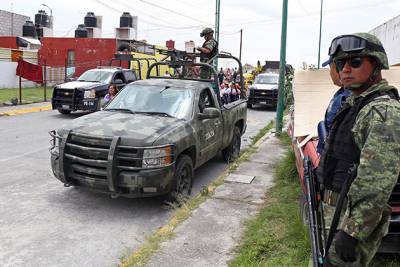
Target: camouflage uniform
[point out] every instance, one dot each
(210, 44)
(377, 134)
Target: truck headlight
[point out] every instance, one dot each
(90, 94)
(157, 157)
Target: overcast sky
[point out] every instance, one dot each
(182, 20)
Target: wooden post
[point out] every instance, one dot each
(44, 80)
(20, 91)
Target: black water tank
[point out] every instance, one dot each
(90, 20)
(81, 31)
(39, 31)
(125, 20)
(42, 19)
(28, 29)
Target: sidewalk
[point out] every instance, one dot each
(210, 236)
(21, 109)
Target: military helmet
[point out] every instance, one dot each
(359, 44)
(206, 31)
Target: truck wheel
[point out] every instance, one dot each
(183, 180)
(249, 105)
(63, 111)
(232, 152)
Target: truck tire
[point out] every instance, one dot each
(232, 152)
(183, 180)
(63, 111)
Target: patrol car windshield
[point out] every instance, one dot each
(154, 100)
(267, 79)
(96, 76)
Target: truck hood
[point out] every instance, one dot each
(138, 129)
(76, 84)
(265, 86)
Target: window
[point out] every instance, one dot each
(70, 58)
(129, 76)
(205, 100)
(119, 76)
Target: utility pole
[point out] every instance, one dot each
(217, 12)
(320, 31)
(282, 69)
(240, 51)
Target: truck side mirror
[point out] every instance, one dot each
(209, 113)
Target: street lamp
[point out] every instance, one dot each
(51, 15)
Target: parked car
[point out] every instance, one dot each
(89, 89)
(264, 90)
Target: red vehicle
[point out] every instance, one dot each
(312, 92)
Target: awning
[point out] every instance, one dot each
(25, 41)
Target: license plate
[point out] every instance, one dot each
(65, 106)
(89, 103)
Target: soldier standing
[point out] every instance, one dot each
(365, 134)
(208, 50)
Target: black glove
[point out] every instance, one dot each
(345, 246)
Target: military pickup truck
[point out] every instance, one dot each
(151, 136)
(89, 89)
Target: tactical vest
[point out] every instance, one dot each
(340, 150)
(206, 57)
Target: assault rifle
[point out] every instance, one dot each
(320, 246)
(315, 214)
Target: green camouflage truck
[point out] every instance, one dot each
(150, 138)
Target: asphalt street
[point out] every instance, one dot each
(43, 223)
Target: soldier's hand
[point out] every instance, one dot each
(345, 246)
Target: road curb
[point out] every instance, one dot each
(25, 110)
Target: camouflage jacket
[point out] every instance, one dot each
(377, 134)
(210, 44)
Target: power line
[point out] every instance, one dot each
(174, 12)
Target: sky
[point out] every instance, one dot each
(260, 21)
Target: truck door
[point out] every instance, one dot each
(210, 130)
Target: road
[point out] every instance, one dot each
(43, 223)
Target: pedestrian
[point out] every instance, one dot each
(334, 106)
(365, 137)
(221, 76)
(208, 51)
(112, 92)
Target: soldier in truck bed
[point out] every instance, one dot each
(208, 50)
(365, 133)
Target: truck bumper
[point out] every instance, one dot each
(131, 184)
(73, 100)
(267, 97)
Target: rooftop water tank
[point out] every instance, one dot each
(81, 31)
(125, 20)
(90, 20)
(42, 19)
(28, 29)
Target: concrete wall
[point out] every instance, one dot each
(389, 34)
(8, 79)
(11, 23)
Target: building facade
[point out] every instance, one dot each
(11, 23)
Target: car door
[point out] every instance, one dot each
(210, 130)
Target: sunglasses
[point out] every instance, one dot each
(352, 43)
(354, 62)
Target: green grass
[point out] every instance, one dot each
(276, 237)
(262, 132)
(29, 95)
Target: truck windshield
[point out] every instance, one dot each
(96, 76)
(174, 102)
(273, 79)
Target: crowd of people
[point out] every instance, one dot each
(229, 81)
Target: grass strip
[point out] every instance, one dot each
(277, 237)
(142, 255)
(29, 95)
